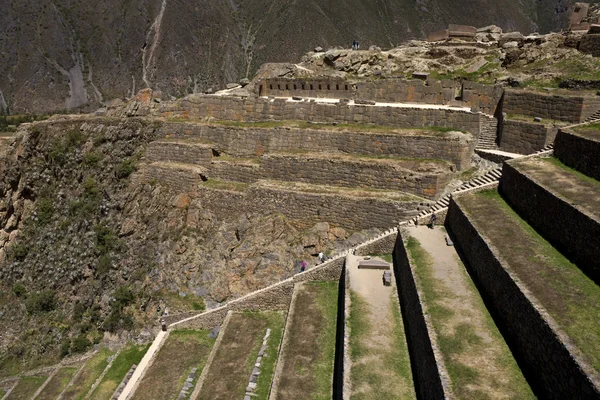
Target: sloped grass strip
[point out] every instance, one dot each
(235, 358)
(310, 346)
(26, 387)
(378, 372)
(115, 375)
(183, 350)
(58, 383)
(569, 296)
(91, 371)
(459, 337)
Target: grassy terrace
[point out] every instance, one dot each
(575, 187)
(478, 361)
(58, 383)
(309, 350)
(362, 128)
(224, 185)
(26, 387)
(234, 361)
(380, 368)
(528, 118)
(91, 372)
(567, 294)
(340, 191)
(591, 131)
(120, 366)
(183, 350)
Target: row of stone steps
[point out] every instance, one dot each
(594, 117)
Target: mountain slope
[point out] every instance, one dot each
(73, 53)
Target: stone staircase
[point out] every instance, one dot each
(593, 118)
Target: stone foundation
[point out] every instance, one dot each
(578, 152)
(525, 137)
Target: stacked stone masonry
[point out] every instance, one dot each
(578, 152)
(535, 340)
(426, 369)
(261, 109)
(275, 297)
(525, 137)
(186, 152)
(570, 229)
(563, 108)
(479, 97)
(456, 148)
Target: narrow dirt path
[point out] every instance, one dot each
(478, 360)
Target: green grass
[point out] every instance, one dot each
(555, 161)
(387, 257)
(26, 387)
(589, 128)
(200, 336)
(120, 366)
(91, 371)
(181, 304)
(225, 185)
(58, 383)
(327, 303)
(453, 345)
(386, 371)
(571, 297)
(528, 118)
(276, 322)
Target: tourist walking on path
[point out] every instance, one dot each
(354, 44)
(303, 267)
(432, 221)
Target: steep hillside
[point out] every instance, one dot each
(85, 248)
(73, 53)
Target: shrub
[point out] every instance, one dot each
(45, 210)
(124, 296)
(19, 290)
(80, 344)
(19, 251)
(126, 168)
(106, 239)
(78, 310)
(64, 348)
(92, 159)
(103, 266)
(41, 302)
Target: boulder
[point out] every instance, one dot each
(318, 49)
(231, 85)
(594, 28)
(244, 82)
(490, 29)
(511, 37)
(510, 45)
(590, 44)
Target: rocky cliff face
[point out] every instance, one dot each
(85, 249)
(75, 54)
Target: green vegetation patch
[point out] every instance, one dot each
(378, 372)
(310, 349)
(459, 340)
(235, 358)
(225, 185)
(92, 370)
(570, 297)
(58, 383)
(591, 131)
(26, 387)
(119, 368)
(183, 350)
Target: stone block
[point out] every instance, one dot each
(590, 44)
(438, 36)
(579, 13)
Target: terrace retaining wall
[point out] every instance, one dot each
(572, 231)
(578, 152)
(456, 148)
(425, 363)
(563, 108)
(264, 109)
(535, 339)
(525, 137)
(274, 297)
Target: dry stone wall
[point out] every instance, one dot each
(426, 370)
(274, 297)
(479, 97)
(234, 171)
(525, 137)
(179, 152)
(570, 230)
(536, 341)
(379, 174)
(578, 152)
(261, 109)
(180, 178)
(562, 108)
(385, 245)
(454, 147)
